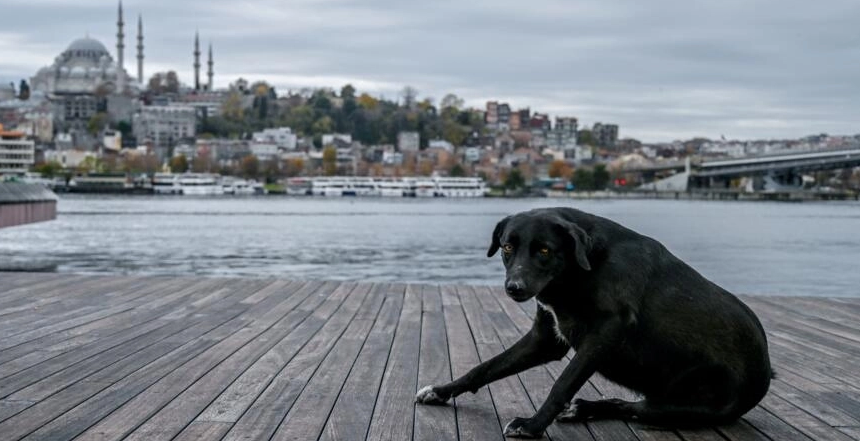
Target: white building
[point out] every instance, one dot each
(264, 151)
(440, 144)
(328, 138)
(17, 154)
(164, 126)
(408, 141)
(282, 137)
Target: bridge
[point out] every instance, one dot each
(781, 168)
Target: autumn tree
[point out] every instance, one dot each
(179, 164)
(294, 166)
(559, 169)
(329, 161)
(250, 166)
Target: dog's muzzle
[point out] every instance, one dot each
(516, 290)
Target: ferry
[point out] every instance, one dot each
(193, 184)
(336, 186)
(239, 187)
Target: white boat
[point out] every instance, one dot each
(425, 187)
(460, 187)
(200, 184)
(166, 183)
(237, 186)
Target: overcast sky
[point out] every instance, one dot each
(661, 69)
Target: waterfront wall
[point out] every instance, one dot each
(25, 203)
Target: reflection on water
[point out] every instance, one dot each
(747, 247)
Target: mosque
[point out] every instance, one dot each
(85, 80)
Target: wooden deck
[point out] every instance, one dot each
(151, 358)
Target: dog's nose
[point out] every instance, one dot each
(514, 288)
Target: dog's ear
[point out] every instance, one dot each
(497, 235)
(582, 244)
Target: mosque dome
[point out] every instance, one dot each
(85, 51)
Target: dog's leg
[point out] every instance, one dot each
(535, 348)
(589, 356)
(647, 412)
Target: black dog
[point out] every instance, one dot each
(633, 312)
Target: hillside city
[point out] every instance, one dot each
(84, 113)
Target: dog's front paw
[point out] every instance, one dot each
(429, 395)
(569, 414)
(523, 428)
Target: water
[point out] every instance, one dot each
(746, 247)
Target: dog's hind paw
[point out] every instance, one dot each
(427, 395)
(522, 428)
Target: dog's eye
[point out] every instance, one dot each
(544, 251)
(507, 248)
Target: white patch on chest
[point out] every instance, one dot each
(558, 333)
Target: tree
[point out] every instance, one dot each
(457, 171)
(601, 177)
(24, 91)
(179, 164)
(250, 166)
(271, 170)
(514, 180)
(202, 162)
(585, 137)
(451, 101)
(49, 169)
(294, 166)
(368, 102)
(329, 161)
(582, 179)
(97, 122)
(559, 169)
(231, 108)
(409, 95)
(347, 91)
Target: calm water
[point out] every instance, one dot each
(747, 247)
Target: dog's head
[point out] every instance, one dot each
(538, 247)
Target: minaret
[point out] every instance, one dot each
(196, 61)
(120, 77)
(210, 73)
(139, 49)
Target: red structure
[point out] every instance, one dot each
(26, 203)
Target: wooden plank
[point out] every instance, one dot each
(63, 341)
(9, 408)
(203, 430)
(82, 416)
(140, 408)
(263, 417)
(307, 417)
(77, 361)
(352, 411)
(41, 413)
(509, 396)
(476, 414)
(434, 367)
(234, 401)
(394, 411)
(185, 407)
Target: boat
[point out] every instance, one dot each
(423, 187)
(238, 186)
(166, 183)
(460, 187)
(200, 184)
